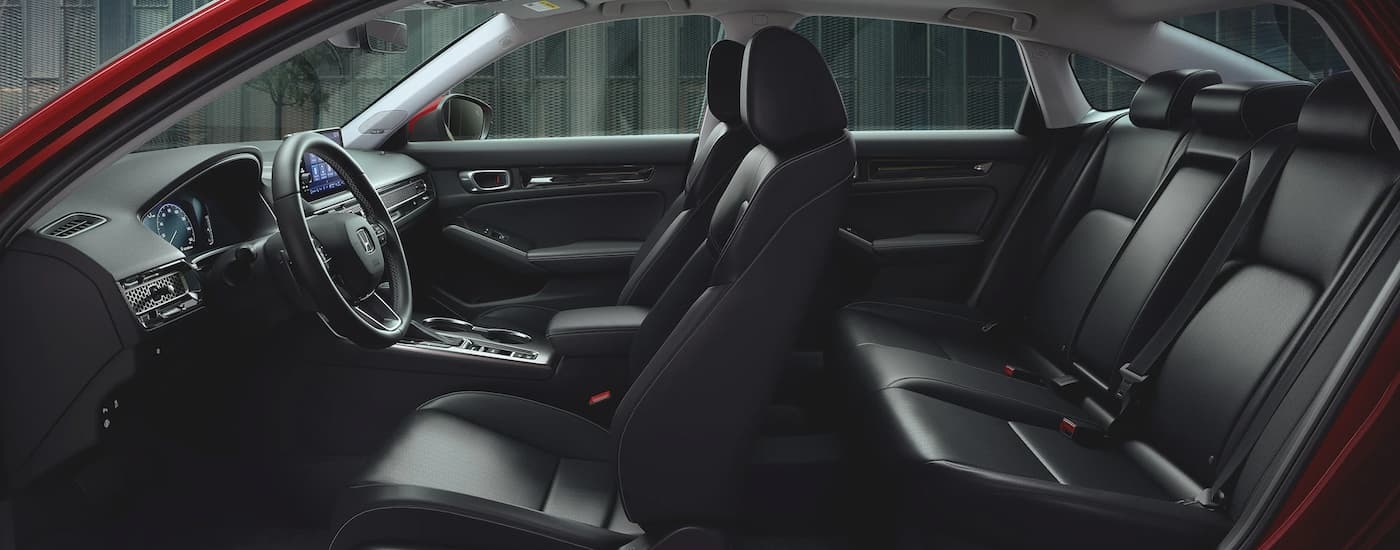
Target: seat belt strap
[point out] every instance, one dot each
(1139, 370)
(1279, 381)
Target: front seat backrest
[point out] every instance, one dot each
(682, 227)
(683, 432)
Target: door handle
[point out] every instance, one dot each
(485, 181)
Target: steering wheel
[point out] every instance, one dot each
(341, 259)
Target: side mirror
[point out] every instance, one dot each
(467, 118)
(456, 117)
(378, 36)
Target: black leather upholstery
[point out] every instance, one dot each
(724, 81)
(1248, 109)
(682, 226)
(968, 449)
(594, 331)
(484, 470)
(683, 430)
(492, 471)
(810, 113)
(1334, 120)
(1164, 99)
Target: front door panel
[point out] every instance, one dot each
(550, 222)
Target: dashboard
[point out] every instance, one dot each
(136, 259)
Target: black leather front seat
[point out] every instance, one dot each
(683, 225)
(481, 470)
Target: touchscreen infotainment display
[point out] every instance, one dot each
(334, 134)
(319, 179)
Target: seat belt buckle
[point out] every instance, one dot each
(1127, 378)
(1209, 499)
(1022, 374)
(599, 397)
(1065, 385)
(1080, 433)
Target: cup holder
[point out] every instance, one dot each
(502, 335)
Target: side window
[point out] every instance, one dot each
(1106, 88)
(640, 76)
(898, 75)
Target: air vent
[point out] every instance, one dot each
(72, 225)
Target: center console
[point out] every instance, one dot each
(464, 338)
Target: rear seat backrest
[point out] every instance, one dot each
(1329, 187)
(1165, 251)
(1135, 155)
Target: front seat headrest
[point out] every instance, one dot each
(1164, 100)
(790, 100)
(1339, 115)
(723, 77)
(1248, 109)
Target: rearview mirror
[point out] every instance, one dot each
(378, 36)
(384, 36)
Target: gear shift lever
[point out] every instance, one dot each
(421, 331)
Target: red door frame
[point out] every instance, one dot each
(1349, 494)
(1356, 452)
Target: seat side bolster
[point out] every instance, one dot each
(1074, 517)
(429, 517)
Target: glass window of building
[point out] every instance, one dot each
(1287, 39)
(898, 75)
(639, 76)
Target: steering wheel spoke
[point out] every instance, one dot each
(342, 260)
(375, 310)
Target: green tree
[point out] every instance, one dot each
(296, 82)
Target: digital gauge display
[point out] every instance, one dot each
(173, 224)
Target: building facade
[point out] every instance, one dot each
(626, 77)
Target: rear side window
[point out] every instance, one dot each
(1287, 39)
(898, 75)
(1106, 88)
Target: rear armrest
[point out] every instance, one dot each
(595, 331)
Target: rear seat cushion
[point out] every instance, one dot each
(981, 389)
(1011, 483)
(944, 330)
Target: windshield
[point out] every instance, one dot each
(324, 86)
(46, 47)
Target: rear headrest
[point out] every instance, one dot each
(1164, 100)
(1248, 109)
(722, 79)
(790, 99)
(1338, 114)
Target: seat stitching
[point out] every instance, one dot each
(894, 385)
(845, 137)
(911, 308)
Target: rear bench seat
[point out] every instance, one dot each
(1148, 269)
(989, 472)
(1117, 184)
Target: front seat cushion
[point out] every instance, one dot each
(496, 470)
